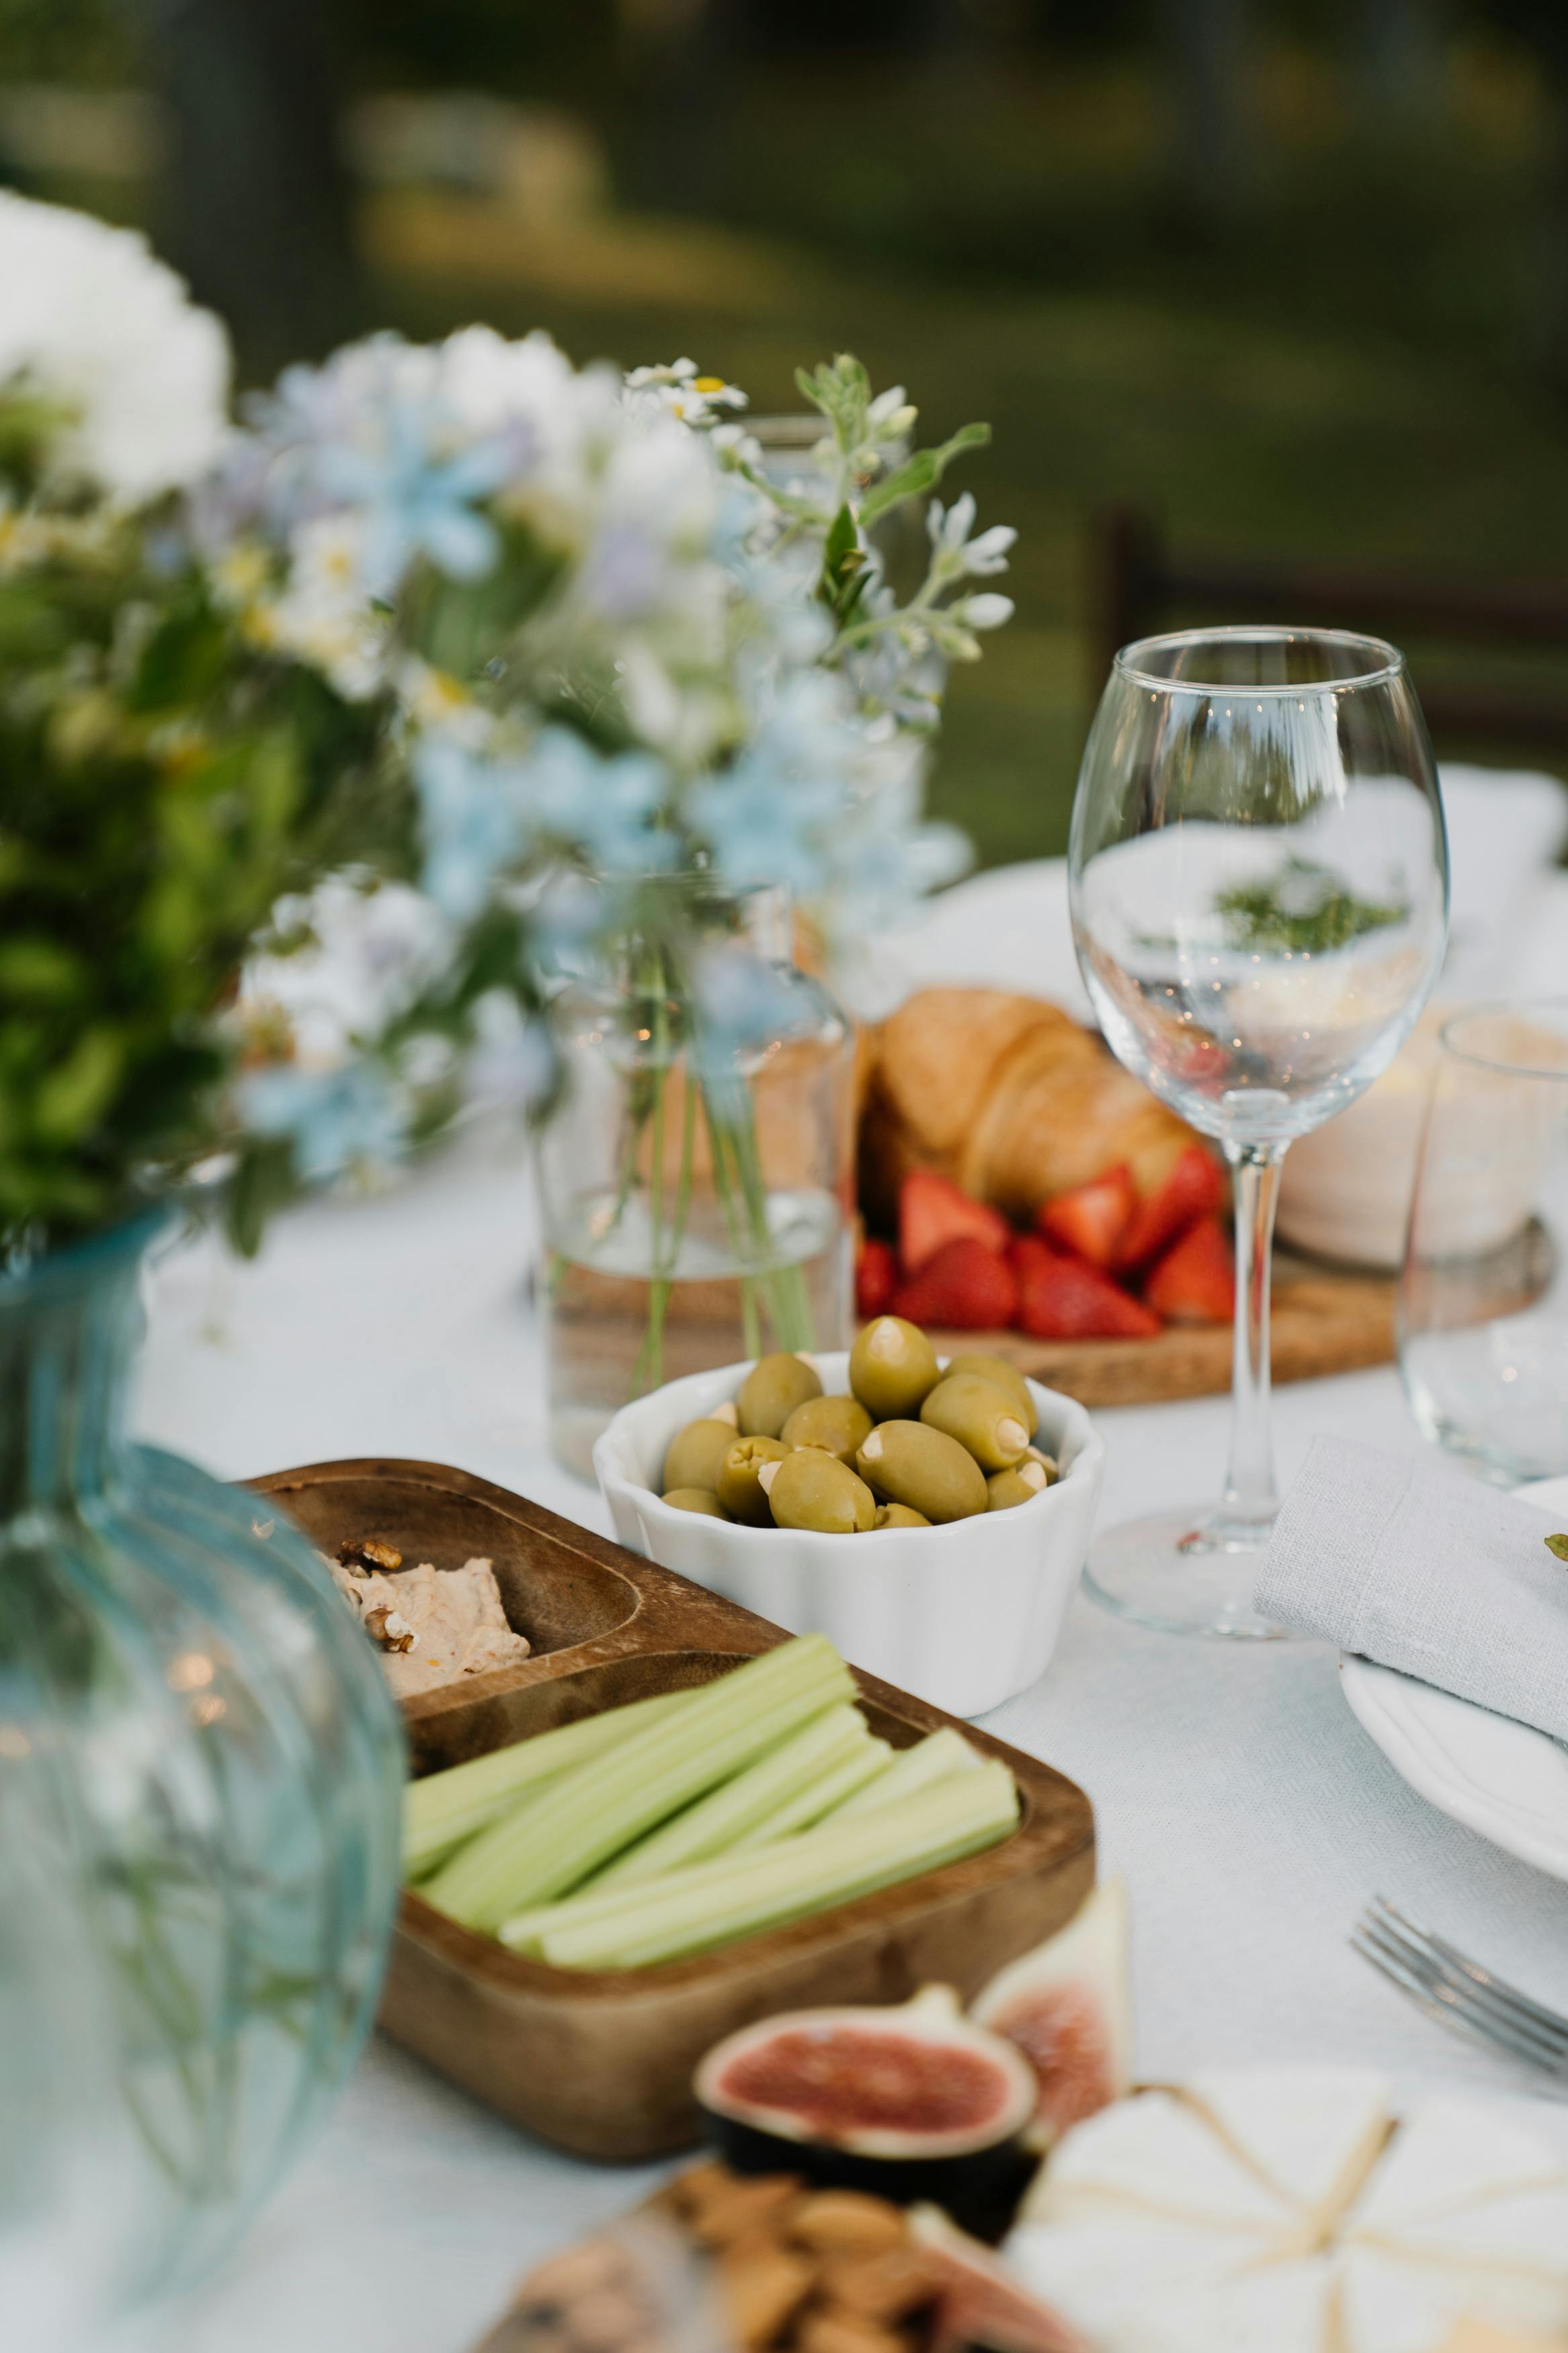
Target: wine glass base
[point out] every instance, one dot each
(1177, 1572)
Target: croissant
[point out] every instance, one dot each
(1007, 1095)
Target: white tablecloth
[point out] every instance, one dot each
(1250, 1812)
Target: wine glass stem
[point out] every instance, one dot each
(1249, 1503)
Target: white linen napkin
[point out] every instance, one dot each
(1421, 1569)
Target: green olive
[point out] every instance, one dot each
(834, 1425)
(1005, 1377)
(810, 1489)
(1047, 1462)
(892, 1368)
(981, 1416)
(899, 1516)
(739, 1489)
(696, 1499)
(910, 1462)
(1006, 1488)
(771, 1392)
(695, 1453)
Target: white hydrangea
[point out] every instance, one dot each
(89, 318)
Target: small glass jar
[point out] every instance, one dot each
(696, 1179)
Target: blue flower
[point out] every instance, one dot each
(416, 505)
(742, 1003)
(336, 1120)
(474, 822)
(770, 819)
(607, 809)
(371, 432)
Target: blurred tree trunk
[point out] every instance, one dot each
(1543, 27)
(682, 58)
(255, 200)
(1207, 53)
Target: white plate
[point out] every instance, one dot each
(1504, 1779)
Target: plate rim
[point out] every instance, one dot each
(1363, 1683)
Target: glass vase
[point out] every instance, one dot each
(696, 1179)
(200, 1780)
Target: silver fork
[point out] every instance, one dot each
(1461, 1995)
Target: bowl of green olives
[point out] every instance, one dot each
(969, 1491)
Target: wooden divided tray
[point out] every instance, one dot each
(1322, 1320)
(600, 2062)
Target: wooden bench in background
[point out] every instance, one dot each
(1144, 585)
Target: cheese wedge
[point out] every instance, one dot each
(1282, 2210)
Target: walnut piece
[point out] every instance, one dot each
(361, 1552)
(387, 1626)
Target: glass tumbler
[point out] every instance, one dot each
(1483, 1300)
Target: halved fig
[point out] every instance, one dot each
(912, 2103)
(979, 2301)
(1067, 2008)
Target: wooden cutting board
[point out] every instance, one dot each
(1323, 1321)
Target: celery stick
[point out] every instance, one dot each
(929, 1760)
(823, 1796)
(606, 1892)
(713, 1903)
(718, 1821)
(522, 1860)
(443, 1809)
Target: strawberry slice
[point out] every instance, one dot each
(1062, 1298)
(1195, 1283)
(1027, 1250)
(1091, 1220)
(964, 1285)
(933, 1210)
(876, 1278)
(1194, 1188)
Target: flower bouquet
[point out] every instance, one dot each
(345, 754)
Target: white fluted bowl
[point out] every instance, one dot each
(965, 1615)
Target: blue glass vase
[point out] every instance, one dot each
(200, 1779)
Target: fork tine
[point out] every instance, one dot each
(1549, 2020)
(1415, 1991)
(1467, 2026)
(1492, 1992)
(1457, 1998)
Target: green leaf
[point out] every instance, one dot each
(921, 473)
(262, 1183)
(74, 1094)
(1558, 1545)
(844, 565)
(39, 971)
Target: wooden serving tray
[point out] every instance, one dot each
(1322, 1321)
(600, 2061)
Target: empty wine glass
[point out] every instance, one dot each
(1258, 875)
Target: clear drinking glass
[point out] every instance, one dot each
(1483, 1303)
(1258, 877)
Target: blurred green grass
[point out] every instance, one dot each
(1240, 435)
(1342, 374)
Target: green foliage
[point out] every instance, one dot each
(1304, 906)
(922, 472)
(161, 783)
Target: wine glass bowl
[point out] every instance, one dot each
(1259, 880)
